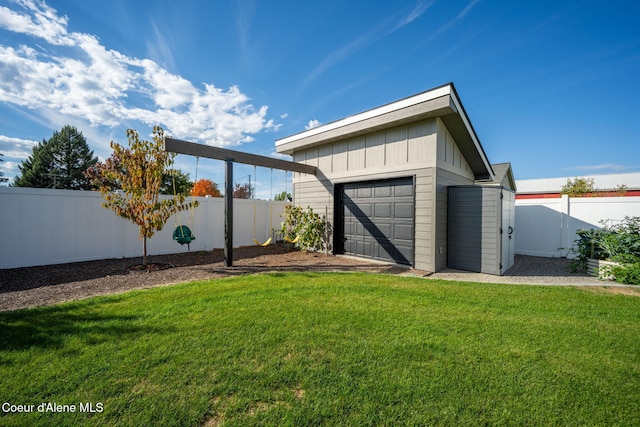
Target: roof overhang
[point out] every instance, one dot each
(440, 102)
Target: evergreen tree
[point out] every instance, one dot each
(2, 178)
(282, 197)
(177, 177)
(58, 162)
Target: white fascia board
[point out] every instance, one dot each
(397, 105)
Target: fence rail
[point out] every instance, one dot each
(547, 227)
(43, 226)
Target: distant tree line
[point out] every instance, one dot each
(65, 161)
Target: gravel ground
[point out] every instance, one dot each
(46, 285)
(528, 270)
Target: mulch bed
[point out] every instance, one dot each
(51, 284)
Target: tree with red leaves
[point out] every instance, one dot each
(243, 191)
(206, 187)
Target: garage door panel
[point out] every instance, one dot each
(403, 210)
(402, 232)
(349, 228)
(378, 220)
(350, 192)
(349, 246)
(364, 210)
(386, 253)
(381, 191)
(364, 247)
(404, 252)
(382, 230)
(364, 192)
(382, 210)
(404, 189)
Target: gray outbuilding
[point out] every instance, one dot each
(385, 177)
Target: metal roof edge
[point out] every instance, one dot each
(408, 101)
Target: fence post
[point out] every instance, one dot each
(565, 207)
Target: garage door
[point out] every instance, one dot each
(378, 220)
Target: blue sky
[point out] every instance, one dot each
(551, 86)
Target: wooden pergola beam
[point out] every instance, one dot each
(229, 157)
(201, 150)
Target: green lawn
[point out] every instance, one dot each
(327, 349)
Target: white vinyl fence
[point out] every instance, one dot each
(547, 227)
(43, 226)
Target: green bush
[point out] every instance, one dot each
(627, 273)
(306, 228)
(618, 242)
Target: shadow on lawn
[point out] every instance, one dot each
(50, 327)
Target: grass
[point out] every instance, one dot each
(328, 349)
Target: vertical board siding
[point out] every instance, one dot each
(375, 150)
(547, 227)
(449, 155)
(41, 226)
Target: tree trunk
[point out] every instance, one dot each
(144, 252)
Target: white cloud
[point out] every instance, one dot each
(104, 87)
(16, 148)
(37, 20)
(281, 156)
(417, 11)
(10, 170)
(312, 124)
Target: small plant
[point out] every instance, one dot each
(307, 228)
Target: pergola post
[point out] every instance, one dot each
(231, 156)
(228, 213)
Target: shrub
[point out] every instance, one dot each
(627, 273)
(307, 226)
(617, 242)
